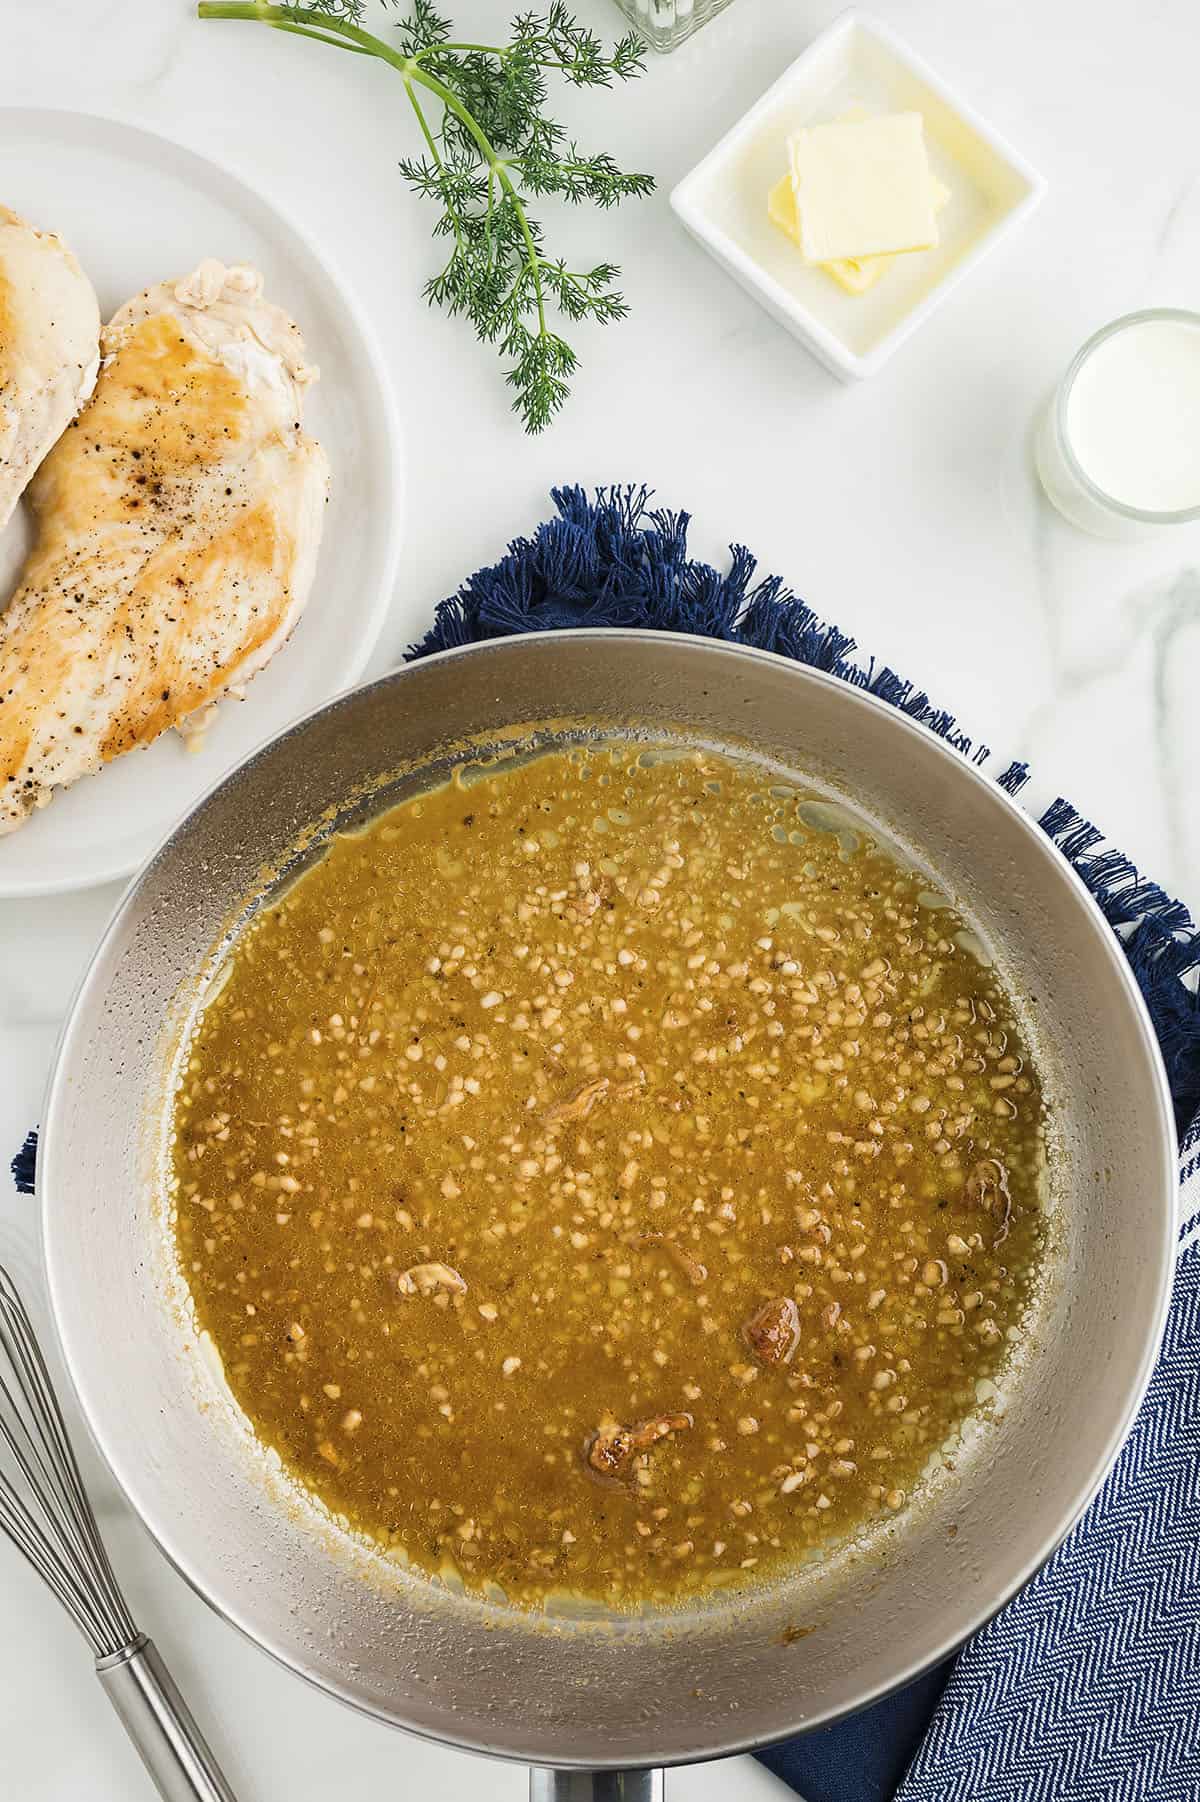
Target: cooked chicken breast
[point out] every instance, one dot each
(49, 349)
(178, 526)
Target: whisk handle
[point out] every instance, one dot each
(158, 1721)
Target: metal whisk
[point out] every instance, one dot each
(45, 1511)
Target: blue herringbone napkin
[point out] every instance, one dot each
(1087, 1686)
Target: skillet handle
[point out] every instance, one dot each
(594, 1786)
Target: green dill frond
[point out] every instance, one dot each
(540, 375)
(489, 147)
(423, 27)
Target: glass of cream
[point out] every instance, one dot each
(1118, 450)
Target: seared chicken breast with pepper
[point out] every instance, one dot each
(178, 526)
(49, 349)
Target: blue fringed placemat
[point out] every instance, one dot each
(1087, 1686)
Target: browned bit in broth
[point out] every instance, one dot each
(608, 1174)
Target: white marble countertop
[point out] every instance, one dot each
(904, 508)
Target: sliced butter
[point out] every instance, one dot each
(854, 274)
(863, 188)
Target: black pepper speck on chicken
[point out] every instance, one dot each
(178, 531)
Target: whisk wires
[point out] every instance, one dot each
(44, 1508)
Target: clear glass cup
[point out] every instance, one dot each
(1063, 476)
(666, 23)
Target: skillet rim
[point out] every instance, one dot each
(1165, 1249)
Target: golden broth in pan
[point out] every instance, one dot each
(609, 1175)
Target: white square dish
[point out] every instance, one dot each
(723, 201)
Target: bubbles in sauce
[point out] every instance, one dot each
(622, 1202)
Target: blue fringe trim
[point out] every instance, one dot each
(24, 1165)
(616, 561)
(1014, 778)
(1159, 938)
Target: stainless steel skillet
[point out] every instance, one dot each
(608, 1694)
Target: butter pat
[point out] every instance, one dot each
(854, 274)
(863, 188)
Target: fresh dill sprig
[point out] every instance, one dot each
(489, 145)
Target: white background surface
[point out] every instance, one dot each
(904, 508)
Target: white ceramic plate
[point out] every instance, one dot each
(135, 207)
